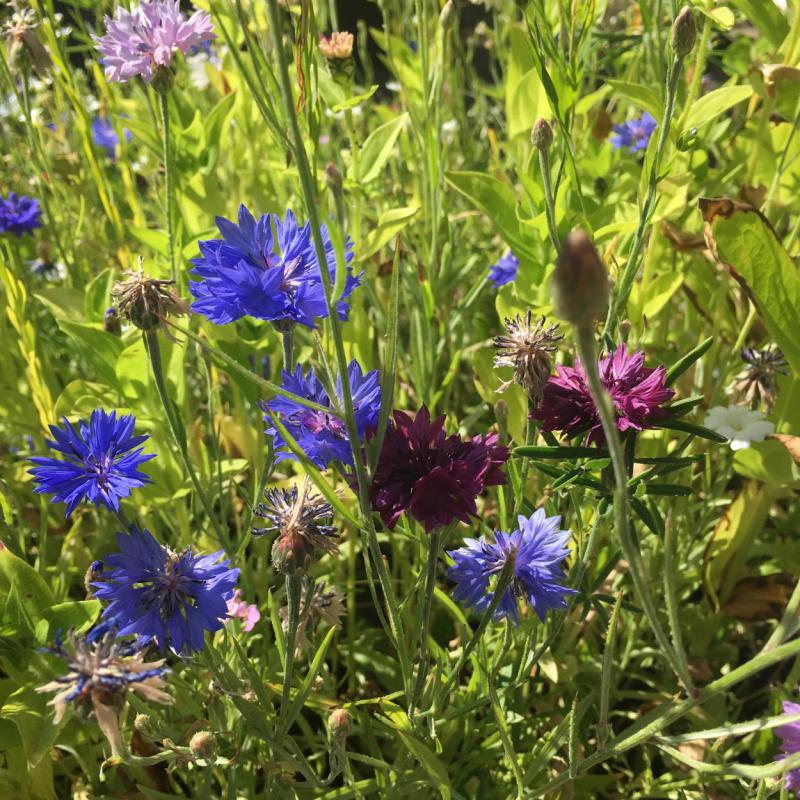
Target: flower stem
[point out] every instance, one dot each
(549, 200)
(287, 339)
(310, 196)
(154, 353)
(163, 99)
(584, 339)
(620, 296)
(430, 583)
(293, 589)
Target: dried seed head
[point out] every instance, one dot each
(580, 281)
(147, 302)
(337, 46)
(758, 381)
(542, 135)
(684, 33)
(24, 48)
(527, 347)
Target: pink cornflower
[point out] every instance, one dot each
(637, 393)
(141, 41)
(246, 611)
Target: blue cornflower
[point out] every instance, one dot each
(167, 596)
(102, 461)
(19, 214)
(253, 271)
(322, 435)
(105, 135)
(538, 547)
(634, 134)
(505, 270)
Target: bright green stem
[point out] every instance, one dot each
(154, 353)
(287, 339)
(549, 200)
(293, 590)
(311, 202)
(163, 99)
(503, 582)
(430, 584)
(620, 297)
(584, 339)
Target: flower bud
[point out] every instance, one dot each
(333, 176)
(111, 322)
(684, 33)
(542, 135)
(202, 744)
(338, 46)
(292, 552)
(340, 723)
(92, 574)
(144, 724)
(580, 281)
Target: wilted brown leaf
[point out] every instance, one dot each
(791, 443)
(761, 597)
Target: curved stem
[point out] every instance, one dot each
(293, 589)
(163, 99)
(584, 339)
(154, 353)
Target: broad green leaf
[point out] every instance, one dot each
(29, 711)
(390, 223)
(766, 16)
(377, 148)
(97, 346)
(155, 240)
(80, 398)
(742, 239)
(98, 296)
(62, 303)
(768, 462)
(33, 590)
(495, 199)
(640, 95)
(351, 102)
(75, 615)
(722, 16)
(732, 538)
(712, 105)
(659, 292)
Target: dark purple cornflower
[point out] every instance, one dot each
(19, 214)
(505, 270)
(105, 135)
(538, 547)
(322, 435)
(637, 393)
(432, 476)
(171, 597)
(634, 134)
(144, 40)
(790, 734)
(101, 464)
(267, 270)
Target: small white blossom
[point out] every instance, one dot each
(739, 424)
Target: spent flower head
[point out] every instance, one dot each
(157, 593)
(142, 42)
(538, 548)
(758, 381)
(302, 522)
(527, 347)
(24, 48)
(147, 302)
(101, 461)
(433, 477)
(636, 391)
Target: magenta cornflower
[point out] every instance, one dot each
(637, 393)
(790, 745)
(139, 42)
(432, 476)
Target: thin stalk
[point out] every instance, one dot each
(154, 353)
(605, 675)
(293, 590)
(163, 100)
(549, 200)
(671, 594)
(584, 339)
(310, 197)
(788, 622)
(287, 340)
(430, 584)
(620, 297)
(699, 70)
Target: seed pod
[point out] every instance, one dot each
(580, 281)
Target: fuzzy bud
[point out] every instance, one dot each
(333, 176)
(684, 33)
(292, 552)
(542, 135)
(202, 744)
(340, 723)
(111, 322)
(580, 281)
(144, 725)
(92, 574)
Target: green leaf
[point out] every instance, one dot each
(33, 590)
(742, 240)
(768, 462)
(390, 223)
(680, 366)
(28, 710)
(155, 240)
(722, 16)
(75, 615)
(712, 105)
(98, 296)
(495, 199)
(640, 95)
(766, 16)
(351, 102)
(98, 347)
(377, 148)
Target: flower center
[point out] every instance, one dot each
(320, 421)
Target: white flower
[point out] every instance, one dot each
(739, 424)
(198, 74)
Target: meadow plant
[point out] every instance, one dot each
(467, 466)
